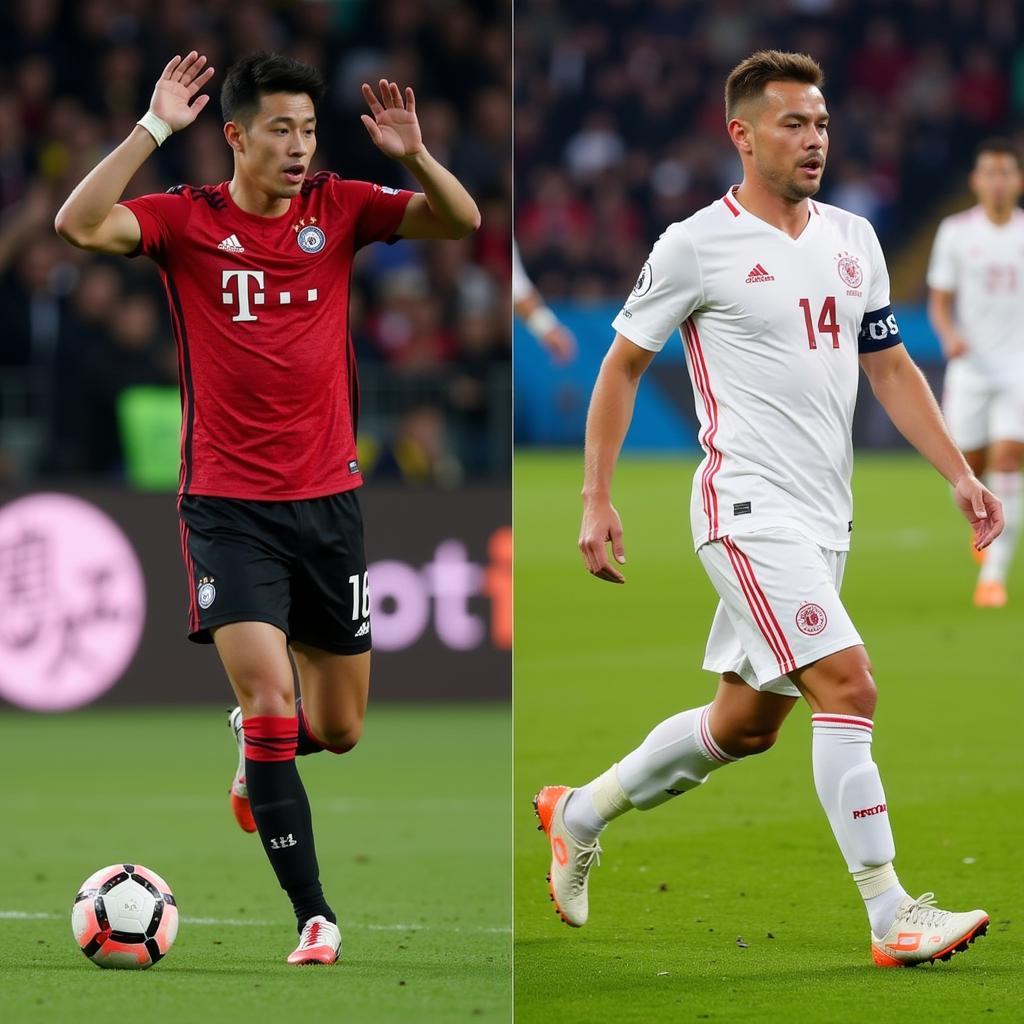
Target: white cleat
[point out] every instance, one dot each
(320, 943)
(571, 860)
(922, 934)
(239, 791)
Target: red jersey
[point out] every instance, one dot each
(259, 308)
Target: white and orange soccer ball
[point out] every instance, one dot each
(124, 916)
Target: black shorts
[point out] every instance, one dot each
(298, 565)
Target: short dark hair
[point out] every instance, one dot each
(748, 79)
(999, 145)
(259, 73)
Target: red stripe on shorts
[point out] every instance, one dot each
(193, 608)
(761, 609)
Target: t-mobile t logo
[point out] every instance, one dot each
(248, 298)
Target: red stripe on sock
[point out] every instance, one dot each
(270, 738)
(712, 747)
(850, 721)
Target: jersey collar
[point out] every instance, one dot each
(732, 204)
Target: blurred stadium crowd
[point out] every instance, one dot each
(431, 321)
(619, 126)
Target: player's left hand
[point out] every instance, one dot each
(394, 127)
(982, 509)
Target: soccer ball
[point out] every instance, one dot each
(124, 916)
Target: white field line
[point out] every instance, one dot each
(228, 922)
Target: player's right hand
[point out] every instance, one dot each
(601, 526)
(173, 96)
(981, 508)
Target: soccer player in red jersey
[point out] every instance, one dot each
(257, 274)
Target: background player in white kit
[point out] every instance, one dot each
(775, 297)
(976, 277)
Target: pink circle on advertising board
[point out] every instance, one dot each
(72, 602)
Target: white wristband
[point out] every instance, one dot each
(156, 126)
(540, 321)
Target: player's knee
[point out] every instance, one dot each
(759, 742)
(267, 701)
(341, 738)
(855, 691)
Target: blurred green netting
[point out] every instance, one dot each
(150, 423)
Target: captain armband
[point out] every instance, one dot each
(878, 330)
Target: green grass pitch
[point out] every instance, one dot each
(413, 836)
(732, 903)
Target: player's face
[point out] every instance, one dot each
(276, 148)
(789, 138)
(997, 181)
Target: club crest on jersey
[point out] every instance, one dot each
(309, 236)
(811, 619)
(207, 592)
(849, 270)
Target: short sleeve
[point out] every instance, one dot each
(942, 265)
(162, 218)
(667, 291)
(878, 287)
(378, 209)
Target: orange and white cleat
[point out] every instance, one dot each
(990, 594)
(239, 793)
(923, 934)
(571, 860)
(320, 943)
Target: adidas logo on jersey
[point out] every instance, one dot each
(231, 244)
(363, 629)
(758, 274)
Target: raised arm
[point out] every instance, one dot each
(90, 217)
(611, 409)
(907, 399)
(444, 209)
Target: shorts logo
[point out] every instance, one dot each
(207, 592)
(644, 281)
(364, 629)
(353, 466)
(811, 619)
(849, 270)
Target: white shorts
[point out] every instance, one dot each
(779, 609)
(979, 409)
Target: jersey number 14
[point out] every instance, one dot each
(827, 322)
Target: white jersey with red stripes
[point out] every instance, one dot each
(772, 327)
(983, 264)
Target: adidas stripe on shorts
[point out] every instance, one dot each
(298, 565)
(779, 606)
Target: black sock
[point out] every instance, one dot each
(281, 809)
(307, 742)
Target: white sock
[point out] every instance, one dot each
(850, 790)
(1007, 488)
(676, 756)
